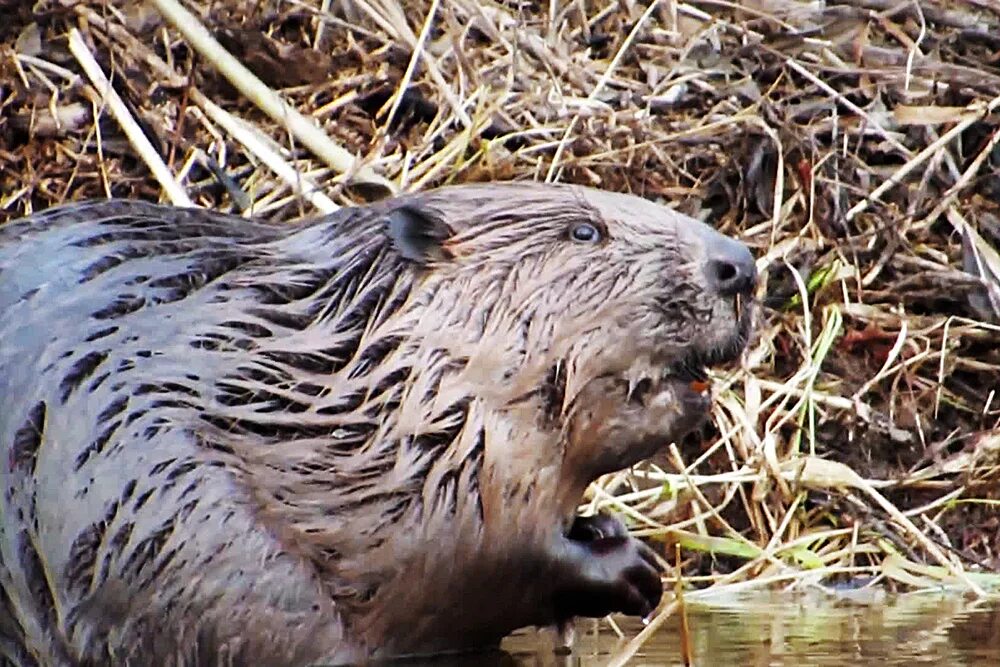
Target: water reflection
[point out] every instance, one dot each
(784, 629)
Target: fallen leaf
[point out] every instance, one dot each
(928, 115)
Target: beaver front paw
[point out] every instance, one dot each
(592, 528)
(606, 571)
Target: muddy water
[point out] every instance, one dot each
(785, 629)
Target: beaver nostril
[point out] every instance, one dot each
(730, 268)
(724, 272)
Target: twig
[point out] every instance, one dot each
(967, 175)
(978, 111)
(266, 99)
(177, 194)
(605, 77)
(257, 144)
(847, 103)
(248, 136)
(404, 83)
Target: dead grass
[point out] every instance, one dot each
(853, 145)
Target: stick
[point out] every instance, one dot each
(176, 194)
(302, 128)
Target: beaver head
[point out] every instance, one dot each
(583, 312)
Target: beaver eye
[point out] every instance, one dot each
(584, 232)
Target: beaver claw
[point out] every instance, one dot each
(608, 571)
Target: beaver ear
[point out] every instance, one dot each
(418, 235)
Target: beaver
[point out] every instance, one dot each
(347, 438)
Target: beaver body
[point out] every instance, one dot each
(357, 436)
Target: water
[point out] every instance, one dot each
(785, 629)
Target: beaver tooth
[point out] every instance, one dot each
(641, 369)
(631, 394)
(638, 390)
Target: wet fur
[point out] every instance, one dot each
(283, 444)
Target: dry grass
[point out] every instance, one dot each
(853, 146)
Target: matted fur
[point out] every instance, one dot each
(279, 444)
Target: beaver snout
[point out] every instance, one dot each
(729, 266)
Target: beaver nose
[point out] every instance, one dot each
(730, 267)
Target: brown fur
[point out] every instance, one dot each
(323, 441)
